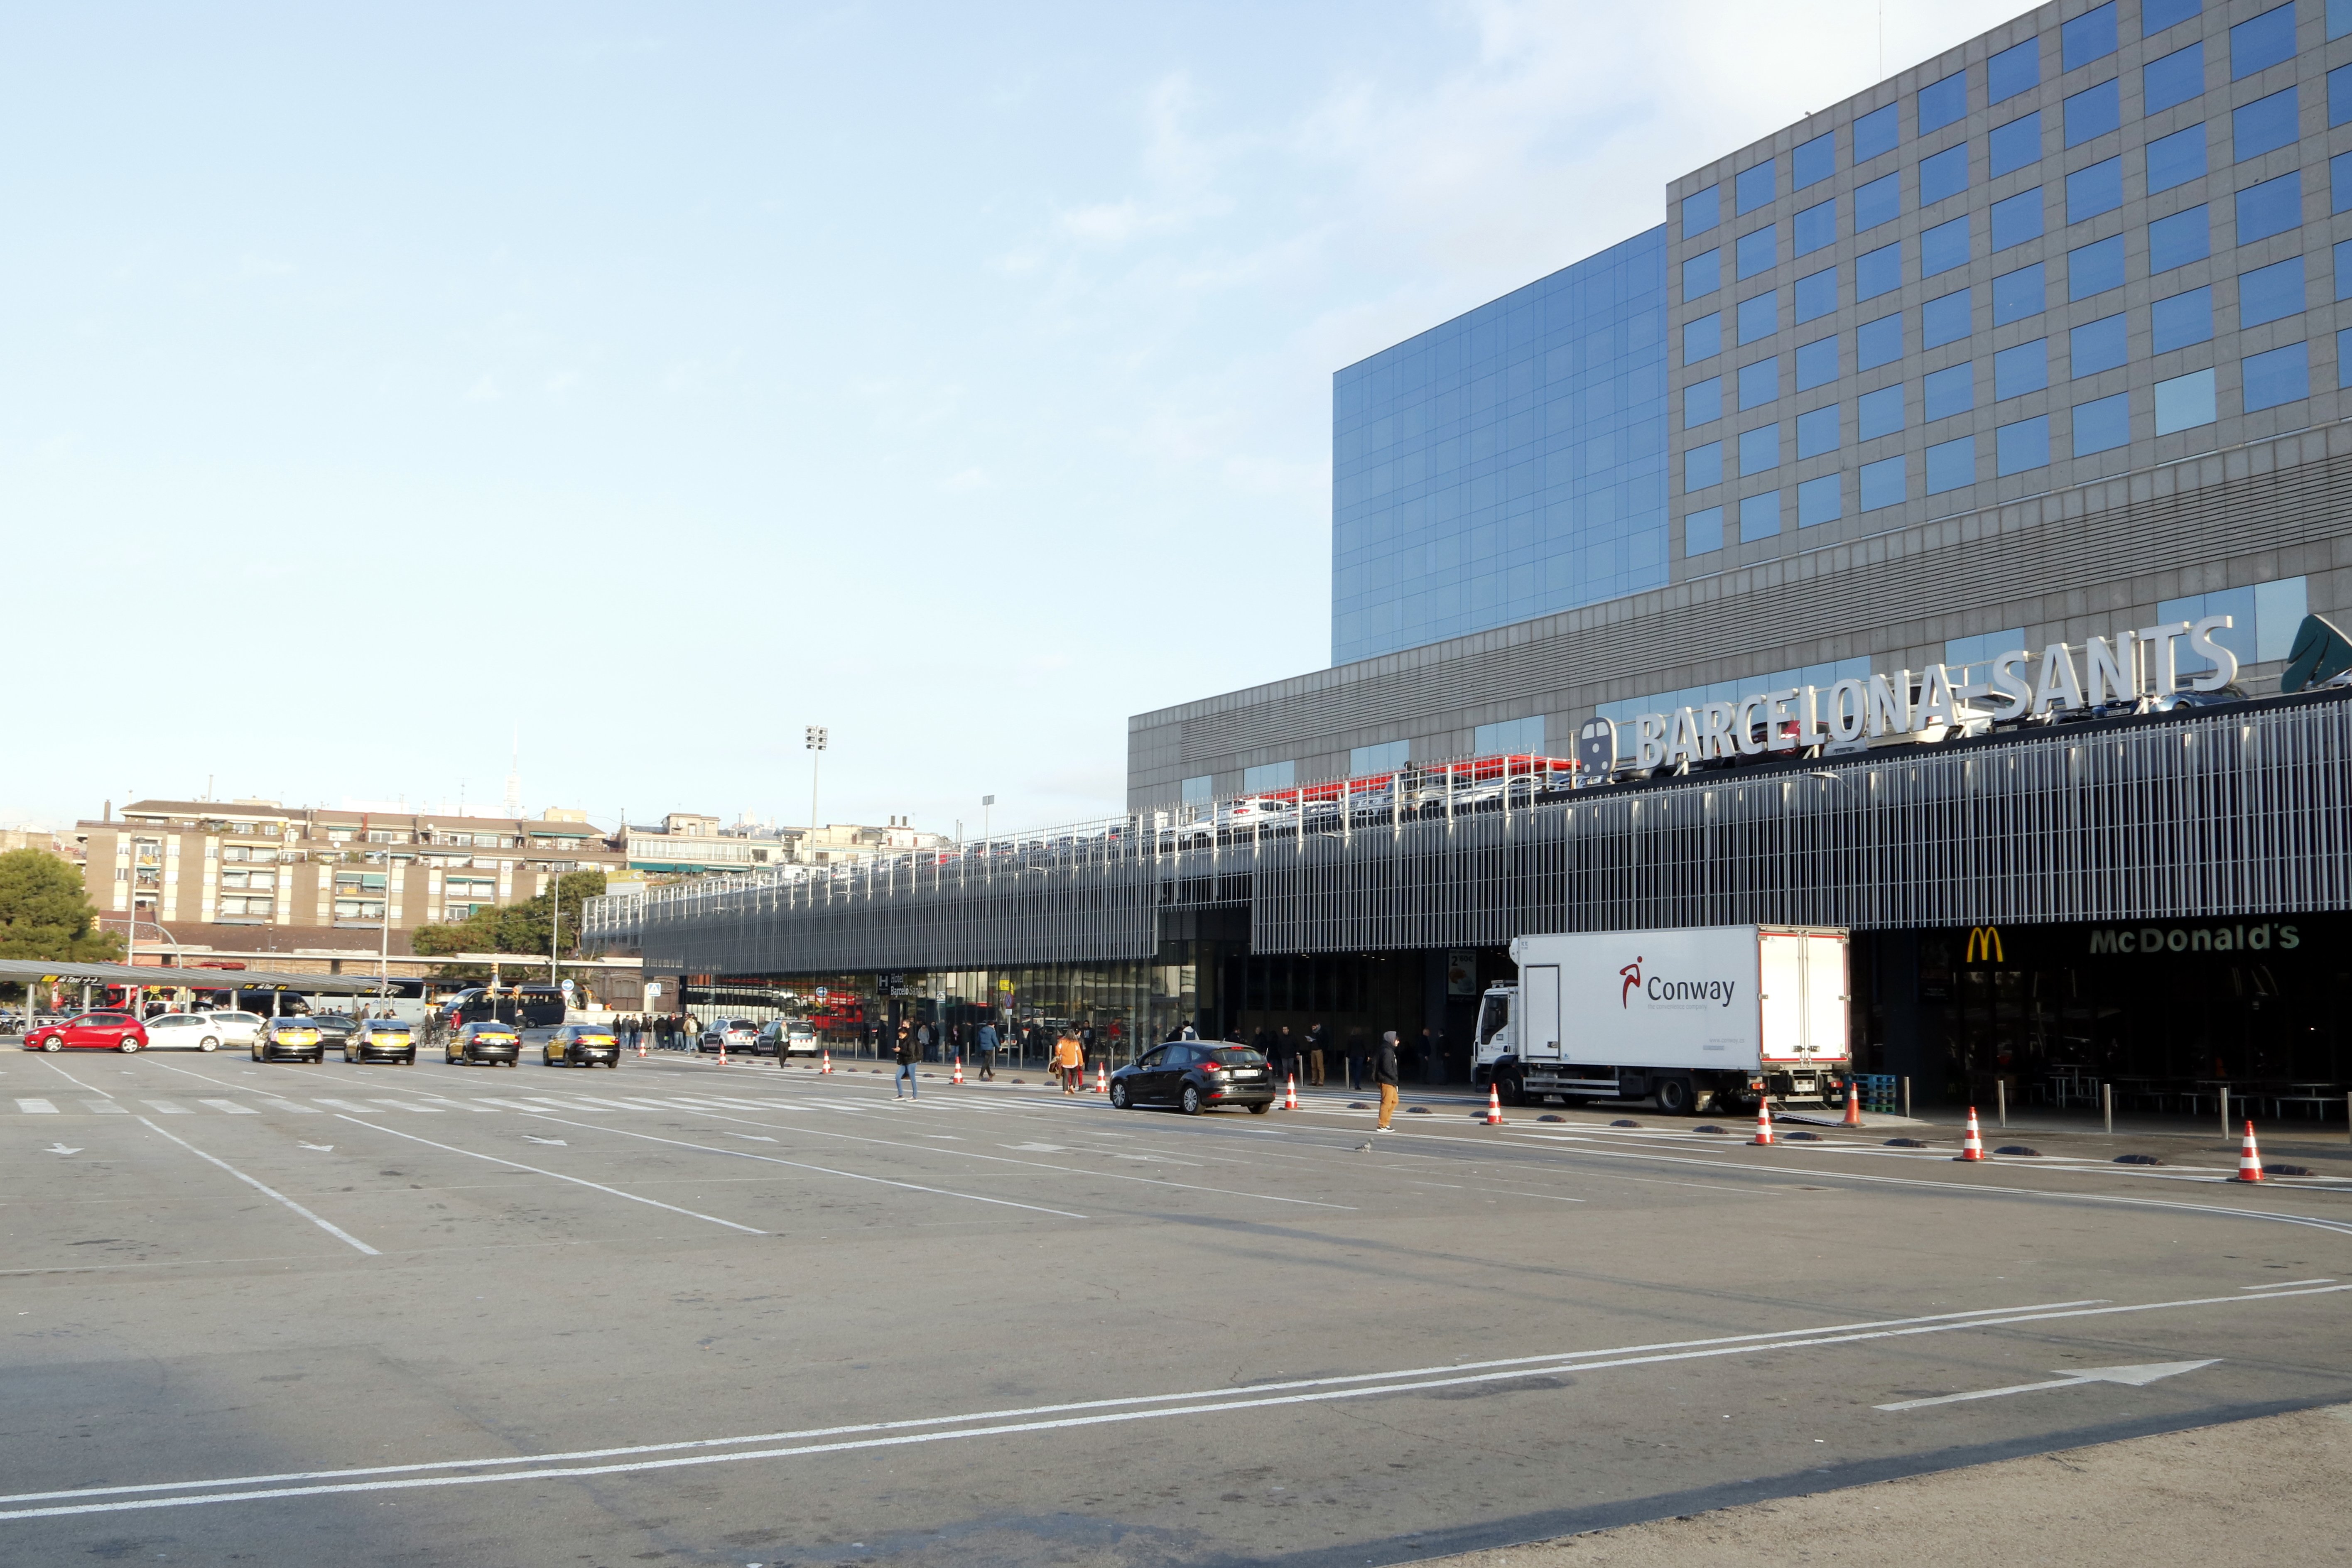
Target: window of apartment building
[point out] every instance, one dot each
(2280, 375)
(1814, 160)
(2270, 208)
(386, 836)
(1951, 464)
(2094, 111)
(1879, 202)
(1200, 792)
(1879, 413)
(1943, 102)
(1817, 431)
(1753, 188)
(1757, 251)
(1702, 402)
(2015, 70)
(2178, 240)
(1943, 175)
(1759, 383)
(1817, 362)
(2184, 402)
(2020, 445)
(2016, 145)
(1816, 294)
(2263, 126)
(369, 909)
(1702, 274)
(2016, 219)
(2021, 368)
(1875, 134)
(1944, 320)
(2095, 189)
(2339, 182)
(354, 880)
(2339, 95)
(1950, 391)
(2261, 42)
(1760, 517)
(2095, 268)
(1878, 272)
(1820, 500)
(1878, 342)
(248, 879)
(1815, 227)
(232, 907)
(1702, 532)
(1385, 757)
(1702, 337)
(2097, 346)
(1944, 247)
(2263, 618)
(1511, 736)
(1759, 449)
(2019, 295)
(2182, 318)
(2177, 158)
(2102, 424)
(1703, 466)
(2174, 78)
(2089, 36)
(2271, 293)
(1702, 210)
(1760, 317)
(2155, 16)
(1269, 775)
(1881, 484)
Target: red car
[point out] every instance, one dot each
(91, 1031)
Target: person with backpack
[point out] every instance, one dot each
(1070, 1057)
(904, 1054)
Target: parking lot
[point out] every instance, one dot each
(689, 1314)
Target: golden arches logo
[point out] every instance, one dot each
(1984, 945)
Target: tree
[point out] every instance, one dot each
(44, 914)
(511, 928)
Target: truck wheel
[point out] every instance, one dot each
(1674, 1097)
(1511, 1090)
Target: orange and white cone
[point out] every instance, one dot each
(1763, 1122)
(1494, 1106)
(827, 1066)
(1853, 1102)
(1102, 1077)
(1972, 1144)
(2250, 1159)
(958, 1071)
(1291, 1093)
(722, 1050)
(641, 1048)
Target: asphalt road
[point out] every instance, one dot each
(681, 1313)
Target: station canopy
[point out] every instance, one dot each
(49, 972)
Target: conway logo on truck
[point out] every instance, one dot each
(1633, 973)
(1658, 989)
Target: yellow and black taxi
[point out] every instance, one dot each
(294, 1039)
(582, 1045)
(485, 1040)
(382, 1039)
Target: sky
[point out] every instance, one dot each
(389, 392)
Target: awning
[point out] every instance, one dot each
(43, 971)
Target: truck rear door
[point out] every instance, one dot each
(1780, 998)
(1538, 1025)
(1825, 997)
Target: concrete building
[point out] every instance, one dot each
(687, 843)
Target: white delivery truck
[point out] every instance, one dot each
(1713, 1017)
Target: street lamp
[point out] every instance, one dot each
(816, 735)
(986, 801)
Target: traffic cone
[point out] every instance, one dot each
(958, 1071)
(1291, 1093)
(1852, 1101)
(1102, 1078)
(722, 1050)
(1763, 1122)
(828, 1062)
(1494, 1106)
(1972, 1145)
(2250, 1159)
(641, 1048)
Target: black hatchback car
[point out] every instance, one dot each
(488, 1042)
(582, 1045)
(1195, 1076)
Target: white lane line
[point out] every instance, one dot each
(344, 1105)
(37, 1107)
(558, 1175)
(407, 1105)
(105, 1108)
(166, 1108)
(1759, 1339)
(330, 1226)
(2285, 1284)
(230, 1107)
(827, 1170)
(85, 1087)
(289, 1105)
(1533, 1368)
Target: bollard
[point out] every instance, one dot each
(1906, 1098)
(2001, 1100)
(2225, 1110)
(2107, 1104)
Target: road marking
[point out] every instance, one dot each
(2133, 1377)
(535, 1138)
(37, 1107)
(290, 1106)
(404, 1105)
(105, 1108)
(59, 1148)
(558, 1175)
(346, 1105)
(337, 1231)
(230, 1107)
(1269, 1395)
(166, 1108)
(2285, 1284)
(317, 1148)
(827, 1170)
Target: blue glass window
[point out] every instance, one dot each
(1945, 174)
(1702, 402)
(1943, 320)
(2344, 269)
(1944, 247)
(1881, 483)
(1817, 431)
(1702, 338)
(2263, 42)
(2271, 208)
(1815, 160)
(2020, 294)
(1760, 383)
(1760, 317)
(2343, 355)
(2095, 189)
(1760, 517)
(2103, 425)
(2181, 320)
(2339, 95)
(2155, 16)
(2017, 219)
(1703, 467)
(2282, 375)
(1878, 271)
(2267, 122)
(1879, 413)
(1878, 342)
(1874, 133)
(2021, 370)
(2180, 239)
(2089, 36)
(2094, 111)
(2176, 79)
(2177, 158)
(2095, 267)
(1817, 363)
(2184, 401)
(2340, 182)
(1759, 250)
(1880, 202)
(1951, 464)
(1820, 501)
(2100, 345)
(1702, 532)
(1948, 391)
(2014, 70)
(2018, 144)
(1759, 449)
(1702, 274)
(1942, 102)
(1815, 227)
(1702, 210)
(1816, 294)
(2270, 293)
(1753, 188)
(2021, 445)
(2339, 17)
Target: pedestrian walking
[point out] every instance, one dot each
(1433, 1056)
(1287, 1045)
(904, 1076)
(1384, 1073)
(984, 1042)
(1315, 1040)
(1069, 1056)
(1358, 1048)
(922, 1043)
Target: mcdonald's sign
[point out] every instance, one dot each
(1984, 945)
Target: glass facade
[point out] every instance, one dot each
(1511, 462)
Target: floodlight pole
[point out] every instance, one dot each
(815, 735)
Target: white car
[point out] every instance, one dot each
(192, 1032)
